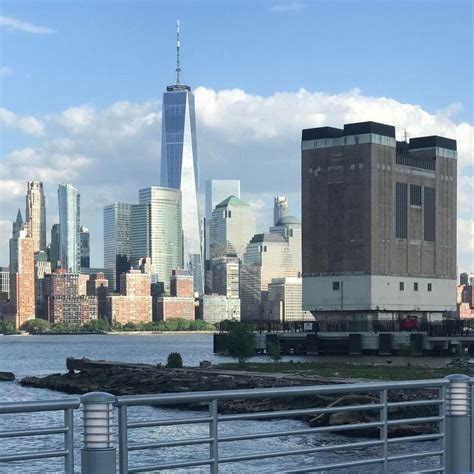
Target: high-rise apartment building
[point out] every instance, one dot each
(85, 247)
(267, 256)
(69, 228)
(4, 283)
(181, 284)
(379, 222)
(231, 228)
(98, 286)
(162, 208)
(36, 214)
(117, 241)
(180, 305)
(217, 190)
(280, 208)
(54, 252)
(22, 277)
(42, 268)
(180, 168)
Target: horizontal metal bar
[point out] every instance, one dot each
(330, 467)
(37, 455)
(426, 471)
(320, 429)
(177, 398)
(424, 454)
(179, 421)
(295, 452)
(169, 444)
(170, 465)
(415, 403)
(290, 413)
(404, 439)
(46, 405)
(424, 419)
(37, 432)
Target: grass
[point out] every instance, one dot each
(350, 370)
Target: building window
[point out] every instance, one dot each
(415, 286)
(402, 286)
(229, 214)
(415, 195)
(335, 286)
(401, 215)
(429, 287)
(429, 214)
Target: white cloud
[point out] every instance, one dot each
(6, 71)
(28, 124)
(288, 7)
(13, 24)
(109, 153)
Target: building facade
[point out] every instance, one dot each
(180, 169)
(98, 286)
(225, 276)
(181, 284)
(36, 214)
(381, 239)
(85, 247)
(42, 268)
(280, 208)
(69, 228)
(54, 252)
(217, 308)
(285, 300)
(72, 310)
(4, 283)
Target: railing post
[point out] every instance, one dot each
(69, 441)
(98, 453)
(458, 424)
(214, 434)
(472, 424)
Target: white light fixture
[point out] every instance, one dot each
(458, 395)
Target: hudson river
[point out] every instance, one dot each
(42, 355)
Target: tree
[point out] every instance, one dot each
(273, 350)
(7, 327)
(175, 361)
(241, 342)
(96, 325)
(36, 326)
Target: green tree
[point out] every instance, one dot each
(36, 326)
(273, 350)
(8, 327)
(96, 325)
(175, 361)
(241, 341)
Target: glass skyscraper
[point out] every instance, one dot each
(69, 228)
(180, 167)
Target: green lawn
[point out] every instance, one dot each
(351, 370)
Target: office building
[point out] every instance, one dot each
(18, 225)
(280, 208)
(225, 276)
(267, 256)
(466, 279)
(217, 190)
(217, 308)
(180, 168)
(134, 303)
(36, 214)
(117, 241)
(22, 277)
(289, 227)
(98, 286)
(54, 256)
(42, 268)
(69, 228)
(285, 301)
(85, 247)
(165, 238)
(4, 283)
(231, 228)
(379, 223)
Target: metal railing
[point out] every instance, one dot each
(67, 452)
(444, 405)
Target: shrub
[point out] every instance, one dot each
(273, 350)
(36, 326)
(241, 342)
(175, 361)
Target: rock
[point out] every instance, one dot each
(7, 376)
(204, 364)
(344, 418)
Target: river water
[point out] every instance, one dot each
(42, 355)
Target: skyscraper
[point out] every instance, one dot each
(231, 228)
(85, 248)
(381, 239)
(280, 208)
(117, 241)
(36, 214)
(216, 191)
(69, 228)
(165, 238)
(180, 167)
(54, 252)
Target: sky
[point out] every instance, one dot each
(81, 86)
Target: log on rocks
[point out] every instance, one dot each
(7, 376)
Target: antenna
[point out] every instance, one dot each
(405, 134)
(178, 69)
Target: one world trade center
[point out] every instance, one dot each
(180, 166)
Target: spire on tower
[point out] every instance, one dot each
(178, 69)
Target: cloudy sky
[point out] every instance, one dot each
(81, 86)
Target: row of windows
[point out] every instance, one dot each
(336, 285)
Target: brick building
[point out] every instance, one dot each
(181, 302)
(98, 286)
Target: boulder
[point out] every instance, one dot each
(204, 364)
(7, 376)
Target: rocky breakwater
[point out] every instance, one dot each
(85, 375)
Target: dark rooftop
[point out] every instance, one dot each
(433, 141)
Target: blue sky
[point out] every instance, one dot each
(81, 87)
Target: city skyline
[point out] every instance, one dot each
(94, 137)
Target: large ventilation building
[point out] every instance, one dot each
(378, 223)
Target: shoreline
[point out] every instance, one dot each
(108, 333)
